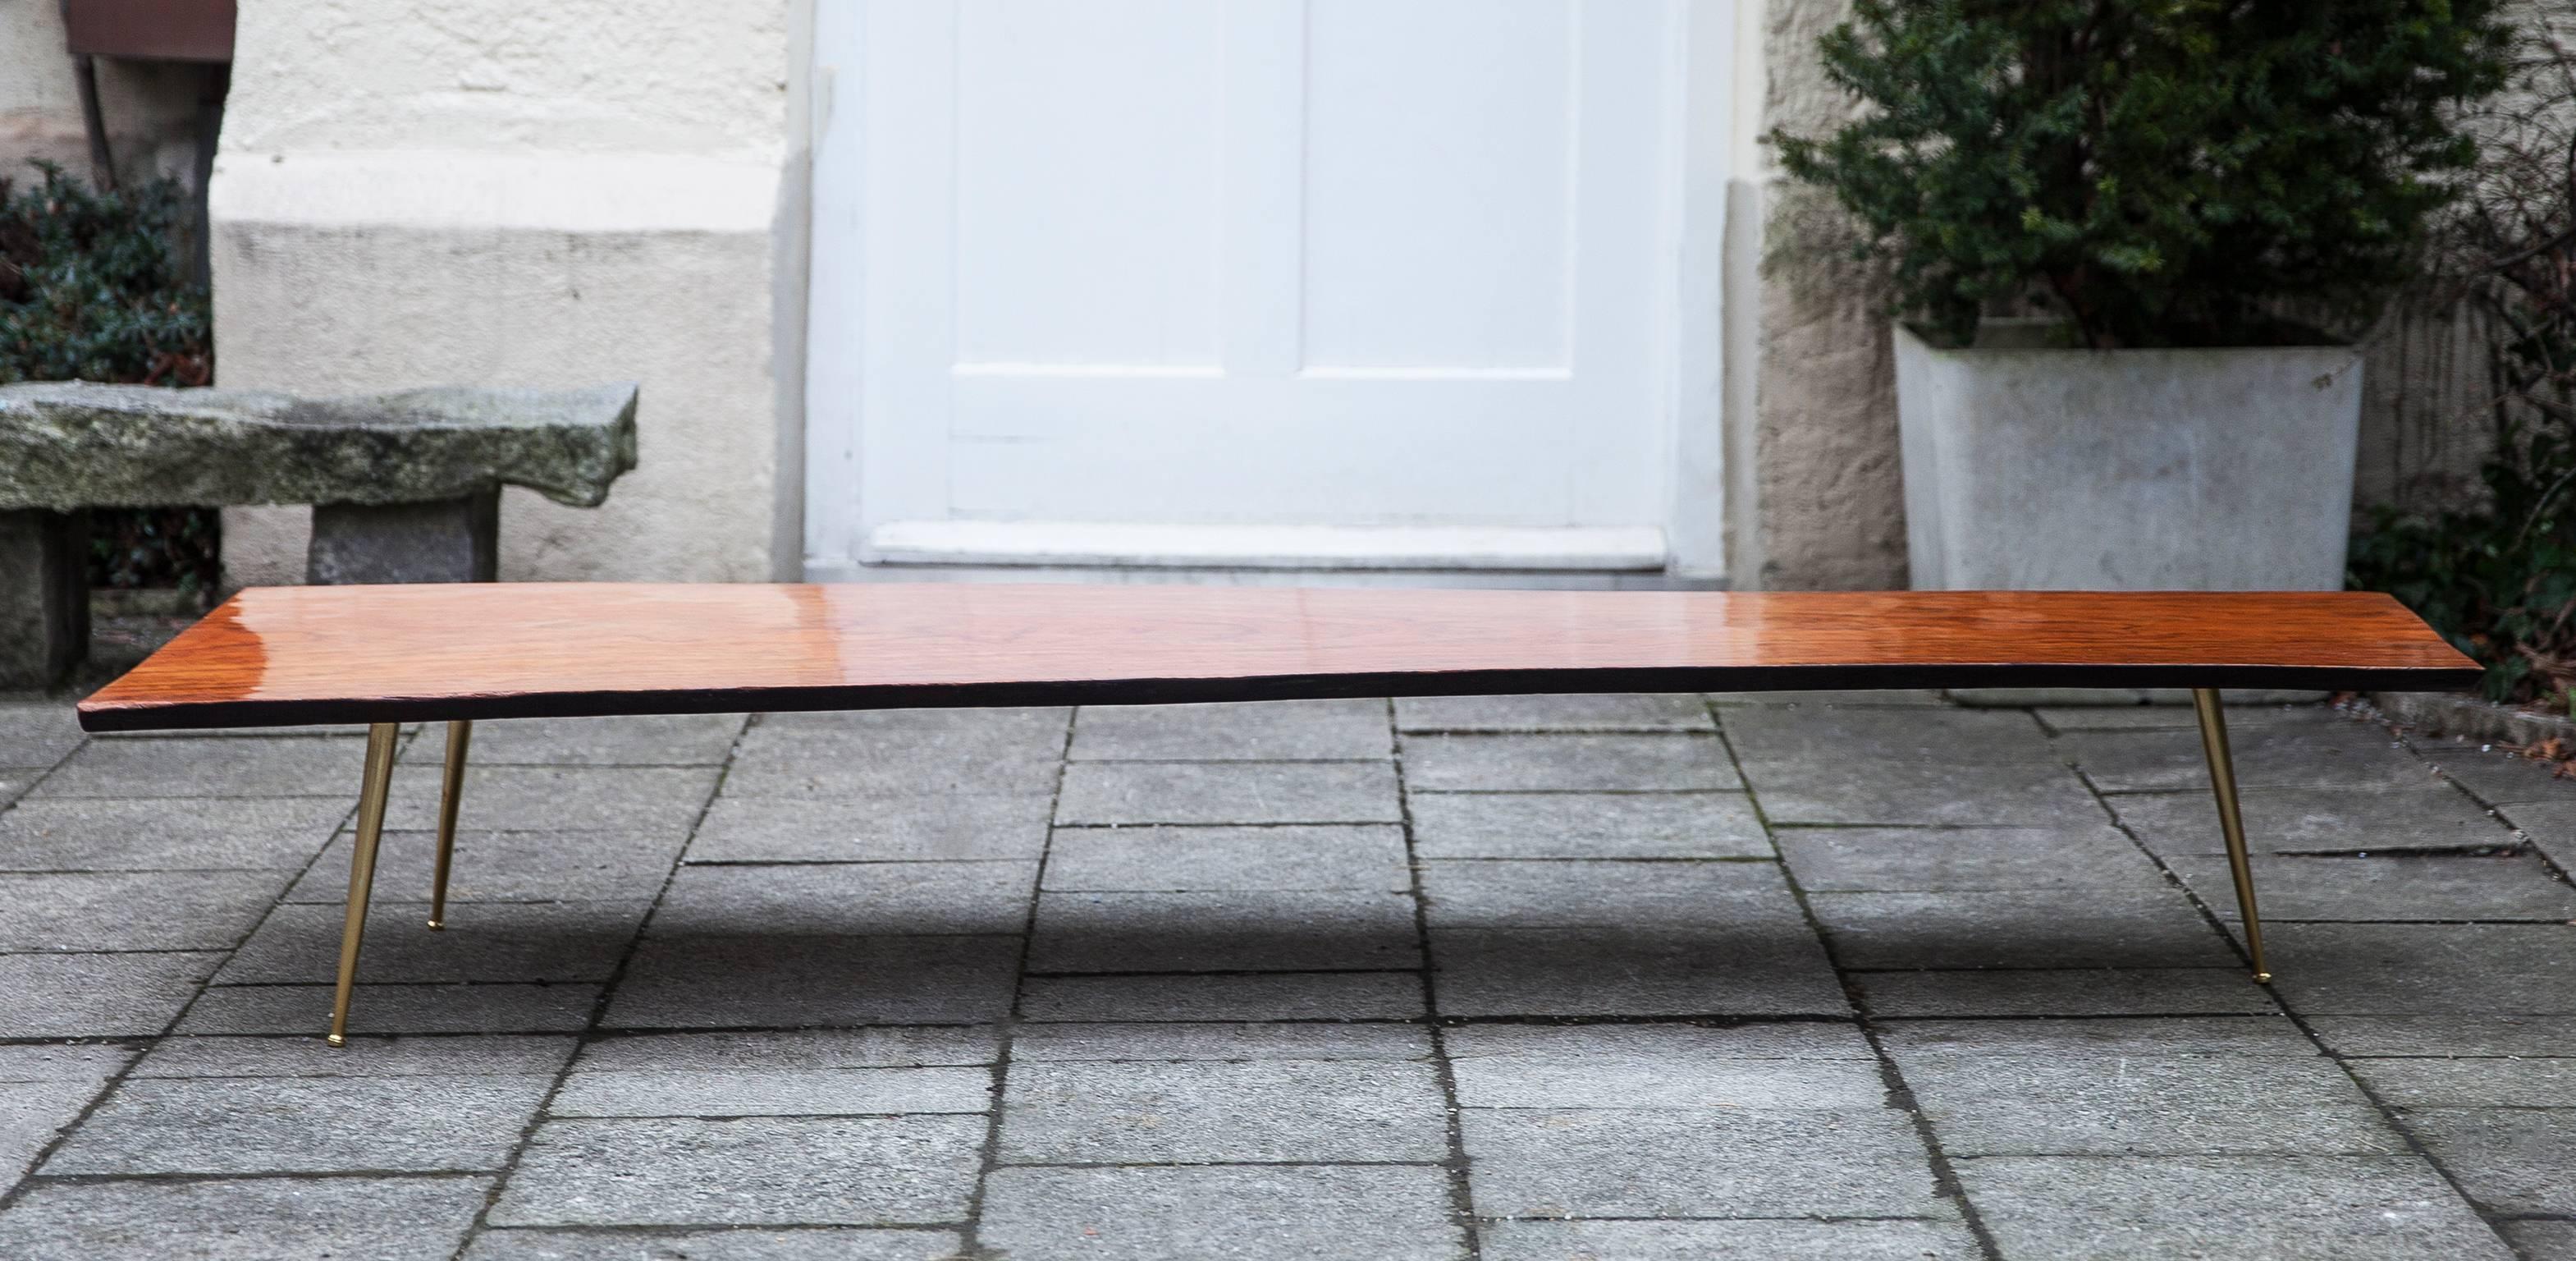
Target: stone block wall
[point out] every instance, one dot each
(497, 193)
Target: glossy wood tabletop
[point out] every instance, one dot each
(288, 655)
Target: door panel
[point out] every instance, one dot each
(1325, 262)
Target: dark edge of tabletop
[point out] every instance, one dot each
(198, 715)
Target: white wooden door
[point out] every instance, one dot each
(1398, 264)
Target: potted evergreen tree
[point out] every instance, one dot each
(2192, 206)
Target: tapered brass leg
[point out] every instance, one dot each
(2231, 821)
(450, 789)
(372, 791)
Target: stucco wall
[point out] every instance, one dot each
(494, 192)
(1818, 497)
(152, 109)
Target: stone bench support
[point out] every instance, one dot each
(44, 595)
(451, 540)
(405, 487)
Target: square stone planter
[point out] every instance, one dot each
(2029, 468)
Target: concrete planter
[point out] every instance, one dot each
(2141, 470)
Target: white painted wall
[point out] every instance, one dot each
(487, 191)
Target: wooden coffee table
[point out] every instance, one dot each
(385, 655)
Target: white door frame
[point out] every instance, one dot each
(1715, 74)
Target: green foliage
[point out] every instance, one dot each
(2499, 583)
(2162, 172)
(2499, 579)
(93, 288)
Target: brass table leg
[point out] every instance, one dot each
(2231, 821)
(450, 789)
(372, 791)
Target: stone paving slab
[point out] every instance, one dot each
(1221, 859)
(2065, 992)
(98, 995)
(2542, 1240)
(625, 740)
(1679, 896)
(2407, 814)
(2425, 969)
(2179, 716)
(298, 1010)
(863, 772)
(143, 910)
(1860, 739)
(1237, 996)
(1418, 979)
(831, 1171)
(1586, 825)
(2480, 1034)
(2551, 827)
(1698, 1162)
(1279, 731)
(36, 735)
(1204, 1112)
(626, 799)
(1918, 795)
(203, 766)
(902, 829)
(2326, 751)
(495, 941)
(506, 866)
(731, 1243)
(383, 1219)
(850, 899)
(251, 1125)
(43, 1089)
(1986, 1104)
(2499, 780)
(753, 978)
(177, 834)
(1245, 931)
(1664, 1066)
(506, 1055)
(1119, 793)
(2054, 928)
(2387, 889)
(1567, 763)
(1754, 1239)
(1255, 1213)
(2291, 1207)
(2510, 1160)
(1748, 970)
(1206, 1040)
(1964, 860)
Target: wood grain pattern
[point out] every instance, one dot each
(290, 655)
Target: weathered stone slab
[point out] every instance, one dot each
(72, 444)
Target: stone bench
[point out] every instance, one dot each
(405, 487)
